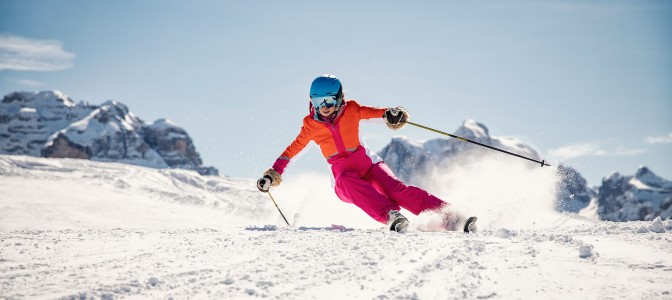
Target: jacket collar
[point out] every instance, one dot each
(316, 115)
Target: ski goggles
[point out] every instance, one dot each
(326, 101)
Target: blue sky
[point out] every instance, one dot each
(588, 83)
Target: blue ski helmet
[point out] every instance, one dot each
(326, 91)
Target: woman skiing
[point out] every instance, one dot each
(361, 176)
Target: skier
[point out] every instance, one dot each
(361, 176)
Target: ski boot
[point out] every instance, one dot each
(396, 221)
(470, 225)
(458, 222)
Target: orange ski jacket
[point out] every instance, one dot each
(340, 137)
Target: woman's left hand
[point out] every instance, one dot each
(396, 118)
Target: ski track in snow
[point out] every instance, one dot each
(315, 263)
(75, 229)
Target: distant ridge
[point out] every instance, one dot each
(50, 124)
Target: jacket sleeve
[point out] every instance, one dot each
(369, 112)
(293, 149)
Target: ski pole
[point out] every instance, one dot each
(276, 206)
(543, 163)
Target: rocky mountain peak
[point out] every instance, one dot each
(50, 124)
(643, 171)
(472, 130)
(173, 144)
(639, 197)
(649, 178)
(27, 119)
(43, 98)
(613, 178)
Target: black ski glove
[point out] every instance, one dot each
(271, 178)
(396, 117)
(264, 183)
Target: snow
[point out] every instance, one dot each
(638, 184)
(164, 124)
(657, 225)
(645, 186)
(47, 98)
(40, 193)
(27, 111)
(404, 139)
(476, 130)
(78, 229)
(585, 251)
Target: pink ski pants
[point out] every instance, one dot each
(373, 187)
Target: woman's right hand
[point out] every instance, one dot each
(264, 183)
(271, 178)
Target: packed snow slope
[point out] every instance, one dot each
(79, 229)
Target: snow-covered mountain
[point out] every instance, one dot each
(409, 160)
(28, 119)
(643, 196)
(619, 198)
(49, 124)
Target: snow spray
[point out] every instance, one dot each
(502, 192)
(311, 197)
